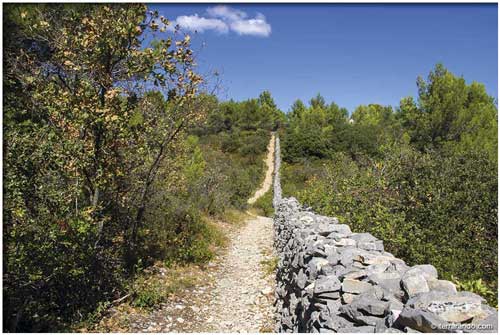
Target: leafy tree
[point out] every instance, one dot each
(316, 131)
(298, 108)
(270, 111)
(451, 113)
(85, 139)
(318, 102)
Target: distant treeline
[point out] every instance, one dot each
(421, 177)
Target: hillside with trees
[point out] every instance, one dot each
(421, 177)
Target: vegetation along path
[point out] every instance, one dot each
(233, 293)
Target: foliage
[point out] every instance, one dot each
(295, 177)
(264, 204)
(234, 140)
(450, 112)
(477, 286)
(315, 131)
(91, 116)
(101, 175)
(420, 205)
(155, 286)
(419, 178)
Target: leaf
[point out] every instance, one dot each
(136, 119)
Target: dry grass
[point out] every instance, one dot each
(159, 284)
(149, 291)
(235, 217)
(269, 265)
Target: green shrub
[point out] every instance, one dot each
(181, 236)
(151, 289)
(148, 294)
(435, 207)
(265, 204)
(479, 287)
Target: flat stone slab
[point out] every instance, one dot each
(420, 320)
(450, 307)
(355, 286)
(327, 284)
(414, 284)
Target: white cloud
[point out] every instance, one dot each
(200, 24)
(227, 13)
(256, 27)
(222, 19)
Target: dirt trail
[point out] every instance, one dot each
(244, 293)
(237, 289)
(268, 180)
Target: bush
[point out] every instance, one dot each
(434, 207)
(157, 284)
(265, 204)
(180, 236)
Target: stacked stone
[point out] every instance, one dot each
(330, 279)
(277, 165)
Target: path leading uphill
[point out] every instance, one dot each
(242, 300)
(233, 293)
(268, 180)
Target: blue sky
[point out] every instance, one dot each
(351, 54)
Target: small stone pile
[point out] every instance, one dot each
(330, 279)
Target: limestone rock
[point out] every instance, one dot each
(450, 307)
(414, 284)
(345, 242)
(428, 271)
(348, 298)
(364, 329)
(327, 295)
(442, 286)
(420, 320)
(342, 228)
(355, 286)
(371, 306)
(371, 246)
(354, 273)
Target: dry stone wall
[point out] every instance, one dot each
(330, 279)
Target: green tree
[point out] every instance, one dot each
(84, 141)
(269, 111)
(298, 108)
(451, 113)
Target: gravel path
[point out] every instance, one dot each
(237, 295)
(243, 297)
(244, 294)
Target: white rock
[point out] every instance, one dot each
(414, 284)
(266, 291)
